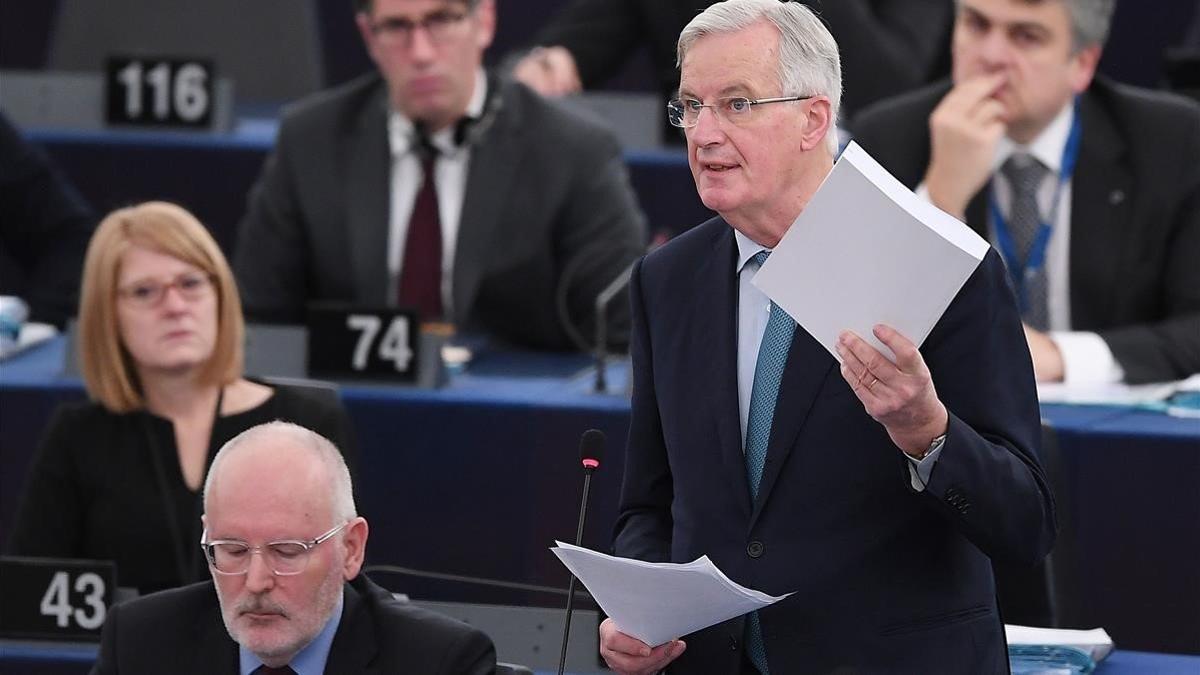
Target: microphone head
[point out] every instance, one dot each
(591, 448)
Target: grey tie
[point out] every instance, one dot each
(1025, 175)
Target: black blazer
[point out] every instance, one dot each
(1135, 216)
(181, 631)
(886, 579)
(887, 46)
(548, 209)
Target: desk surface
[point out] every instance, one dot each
(72, 658)
(502, 439)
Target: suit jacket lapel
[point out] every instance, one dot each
(495, 163)
(212, 651)
(715, 308)
(368, 174)
(1100, 204)
(808, 366)
(354, 649)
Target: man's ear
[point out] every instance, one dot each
(818, 121)
(355, 541)
(1083, 68)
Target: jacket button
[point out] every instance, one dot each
(755, 549)
(733, 644)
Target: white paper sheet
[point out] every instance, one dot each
(1095, 642)
(865, 251)
(658, 602)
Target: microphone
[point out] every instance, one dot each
(603, 299)
(591, 451)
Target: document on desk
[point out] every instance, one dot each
(658, 602)
(866, 250)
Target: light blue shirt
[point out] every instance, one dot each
(754, 310)
(310, 660)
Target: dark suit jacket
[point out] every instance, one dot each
(548, 210)
(887, 46)
(1135, 216)
(45, 226)
(886, 579)
(181, 631)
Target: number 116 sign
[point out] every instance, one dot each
(159, 92)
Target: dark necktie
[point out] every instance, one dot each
(421, 271)
(768, 373)
(1025, 175)
(267, 670)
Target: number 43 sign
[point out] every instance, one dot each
(51, 598)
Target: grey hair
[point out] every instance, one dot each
(1090, 20)
(809, 63)
(342, 490)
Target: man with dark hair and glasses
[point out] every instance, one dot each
(285, 547)
(434, 185)
(873, 497)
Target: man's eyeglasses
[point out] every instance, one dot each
(285, 558)
(685, 112)
(149, 292)
(439, 26)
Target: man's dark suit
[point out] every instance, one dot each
(886, 579)
(548, 209)
(1135, 216)
(181, 631)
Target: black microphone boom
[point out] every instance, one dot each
(591, 451)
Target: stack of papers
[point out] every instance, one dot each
(1095, 642)
(658, 602)
(866, 250)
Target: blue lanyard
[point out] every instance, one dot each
(1020, 270)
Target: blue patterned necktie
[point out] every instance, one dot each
(768, 372)
(1025, 175)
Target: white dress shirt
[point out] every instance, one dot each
(754, 310)
(450, 178)
(1086, 357)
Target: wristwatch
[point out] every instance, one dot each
(933, 445)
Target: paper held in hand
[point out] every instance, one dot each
(658, 602)
(866, 250)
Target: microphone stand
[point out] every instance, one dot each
(587, 482)
(601, 349)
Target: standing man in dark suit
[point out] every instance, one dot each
(285, 546)
(433, 185)
(874, 492)
(1090, 189)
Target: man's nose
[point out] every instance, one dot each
(259, 575)
(708, 129)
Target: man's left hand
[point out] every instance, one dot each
(899, 396)
(1047, 359)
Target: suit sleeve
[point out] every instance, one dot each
(50, 522)
(1170, 349)
(106, 659)
(644, 524)
(271, 262)
(601, 232)
(887, 46)
(600, 34)
(45, 229)
(988, 479)
(473, 654)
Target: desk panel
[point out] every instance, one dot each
(480, 477)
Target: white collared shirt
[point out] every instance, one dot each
(450, 178)
(1086, 357)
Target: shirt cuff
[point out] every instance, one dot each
(919, 470)
(1086, 358)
